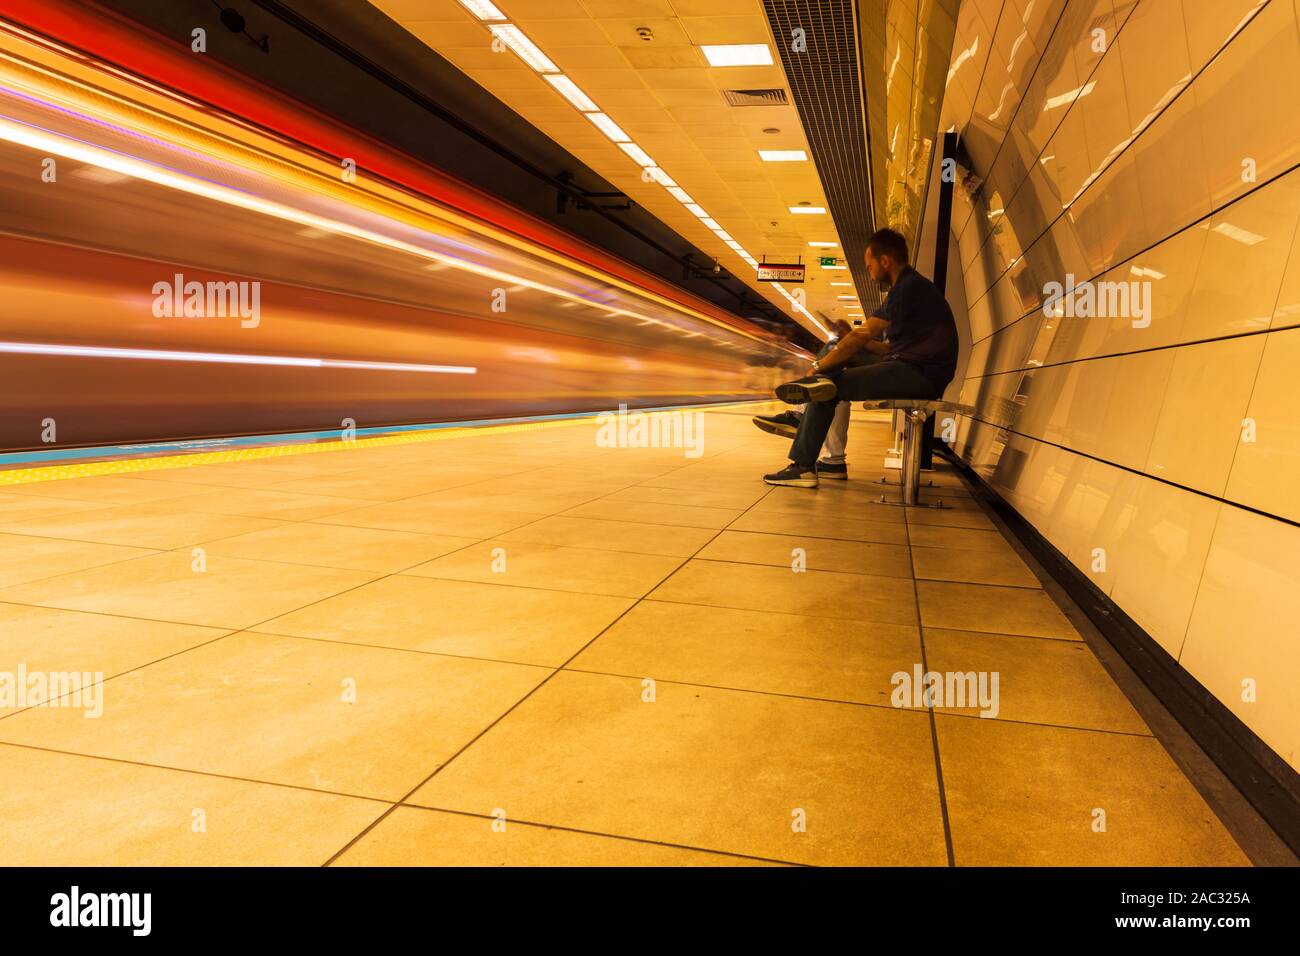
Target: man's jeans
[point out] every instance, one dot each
(888, 379)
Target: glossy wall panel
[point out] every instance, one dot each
(1141, 413)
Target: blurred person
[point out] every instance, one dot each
(914, 331)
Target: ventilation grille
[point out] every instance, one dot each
(826, 91)
(775, 97)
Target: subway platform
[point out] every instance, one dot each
(515, 645)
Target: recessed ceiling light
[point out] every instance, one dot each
(834, 267)
(825, 245)
(846, 297)
(639, 155)
(738, 54)
(711, 223)
(723, 234)
(570, 91)
(524, 48)
(681, 195)
(608, 127)
(841, 283)
(808, 210)
(783, 155)
(483, 9)
(696, 209)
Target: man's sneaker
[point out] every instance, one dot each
(830, 469)
(815, 388)
(786, 424)
(794, 476)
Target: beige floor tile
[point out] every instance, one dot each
(254, 473)
(1039, 681)
(469, 619)
(49, 639)
(261, 503)
(364, 486)
(714, 769)
(950, 517)
(25, 559)
(339, 546)
(975, 567)
(726, 498)
(966, 539)
(753, 650)
(1020, 795)
(819, 554)
(428, 514)
(852, 597)
(273, 709)
(829, 502)
(79, 811)
(850, 529)
(614, 536)
(1000, 610)
(100, 490)
(231, 593)
(527, 564)
(26, 507)
(681, 515)
(414, 836)
(140, 526)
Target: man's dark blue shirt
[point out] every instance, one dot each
(921, 329)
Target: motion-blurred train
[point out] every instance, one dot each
(170, 271)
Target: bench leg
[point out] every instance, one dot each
(909, 476)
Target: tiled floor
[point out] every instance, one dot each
(522, 648)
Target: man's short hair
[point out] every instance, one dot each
(887, 242)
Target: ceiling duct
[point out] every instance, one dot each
(775, 97)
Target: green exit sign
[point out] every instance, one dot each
(829, 261)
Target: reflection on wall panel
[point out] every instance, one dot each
(1128, 221)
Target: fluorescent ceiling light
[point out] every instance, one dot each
(639, 155)
(681, 195)
(571, 92)
(483, 9)
(697, 210)
(846, 297)
(783, 155)
(841, 283)
(734, 245)
(834, 267)
(726, 237)
(661, 177)
(808, 210)
(711, 223)
(825, 245)
(608, 127)
(524, 48)
(738, 54)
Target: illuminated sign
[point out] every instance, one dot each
(780, 272)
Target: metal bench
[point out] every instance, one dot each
(915, 412)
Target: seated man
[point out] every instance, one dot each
(920, 357)
(786, 424)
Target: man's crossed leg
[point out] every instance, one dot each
(890, 379)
